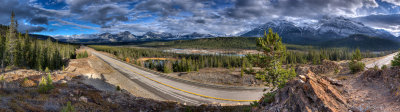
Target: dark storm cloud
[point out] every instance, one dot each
(101, 12)
(26, 11)
(381, 20)
(23, 28)
(173, 7)
(200, 21)
(389, 22)
(295, 8)
(39, 20)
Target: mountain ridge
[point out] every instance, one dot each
(325, 29)
(127, 36)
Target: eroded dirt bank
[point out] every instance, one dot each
(336, 90)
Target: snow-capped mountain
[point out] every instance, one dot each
(122, 36)
(156, 35)
(127, 36)
(196, 35)
(325, 29)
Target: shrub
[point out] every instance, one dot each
(384, 67)
(118, 88)
(376, 67)
(269, 97)
(42, 88)
(254, 104)
(356, 66)
(68, 108)
(45, 84)
(82, 55)
(396, 60)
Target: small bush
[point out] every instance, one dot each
(396, 60)
(2, 78)
(82, 55)
(68, 108)
(376, 67)
(356, 66)
(45, 84)
(384, 67)
(269, 97)
(118, 88)
(254, 104)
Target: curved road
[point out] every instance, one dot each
(385, 60)
(183, 92)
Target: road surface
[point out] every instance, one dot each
(183, 92)
(385, 60)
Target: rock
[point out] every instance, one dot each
(83, 99)
(303, 78)
(62, 81)
(67, 78)
(316, 94)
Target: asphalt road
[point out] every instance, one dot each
(386, 60)
(183, 92)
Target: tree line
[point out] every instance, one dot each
(21, 51)
(176, 62)
(193, 62)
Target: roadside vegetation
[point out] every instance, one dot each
(356, 65)
(82, 55)
(396, 60)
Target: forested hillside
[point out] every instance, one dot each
(22, 51)
(208, 43)
(363, 42)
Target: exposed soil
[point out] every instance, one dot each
(373, 90)
(220, 76)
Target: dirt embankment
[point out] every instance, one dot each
(373, 90)
(221, 76)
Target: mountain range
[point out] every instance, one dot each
(328, 28)
(127, 36)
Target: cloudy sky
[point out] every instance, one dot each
(231, 17)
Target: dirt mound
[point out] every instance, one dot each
(374, 90)
(390, 78)
(325, 68)
(308, 93)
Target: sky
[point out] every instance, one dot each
(219, 17)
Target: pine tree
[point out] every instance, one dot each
(356, 65)
(11, 38)
(27, 50)
(396, 60)
(167, 67)
(3, 52)
(274, 52)
(357, 55)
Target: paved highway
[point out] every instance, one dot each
(183, 92)
(386, 60)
